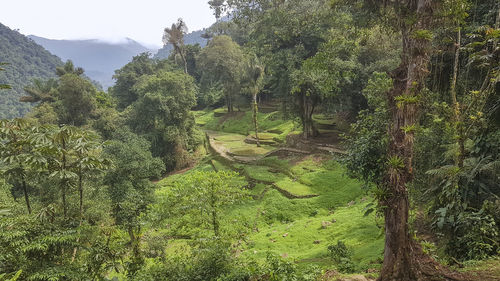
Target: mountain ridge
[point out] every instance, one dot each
(99, 58)
(26, 60)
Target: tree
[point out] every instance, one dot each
(201, 198)
(254, 78)
(69, 68)
(77, 99)
(403, 258)
(175, 36)
(41, 91)
(16, 153)
(221, 61)
(127, 76)
(327, 74)
(88, 160)
(129, 182)
(162, 114)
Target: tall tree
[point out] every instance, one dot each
(175, 36)
(255, 78)
(222, 61)
(15, 154)
(403, 258)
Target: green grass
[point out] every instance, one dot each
(294, 187)
(356, 231)
(269, 215)
(262, 173)
(241, 123)
(235, 144)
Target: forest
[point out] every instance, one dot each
(307, 140)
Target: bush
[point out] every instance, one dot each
(476, 237)
(341, 254)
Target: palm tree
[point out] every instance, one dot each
(175, 36)
(40, 91)
(69, 67)
(255, 72)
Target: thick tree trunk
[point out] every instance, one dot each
(254, 117)
(307, 109)
(400, 252)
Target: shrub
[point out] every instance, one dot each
(341, 254)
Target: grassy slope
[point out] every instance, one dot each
(242, 124)
(292, 227)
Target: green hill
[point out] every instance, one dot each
(27, 60)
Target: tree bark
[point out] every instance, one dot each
(307, 109)
(459, 130)
(80, 190)
(64, 181)
(254, 117)
(183, 56)
(408, 82)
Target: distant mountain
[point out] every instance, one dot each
(192, 38)
(27, 60)
(99, 59)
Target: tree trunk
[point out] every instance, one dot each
(64, 181)
(307, 108)
(26, 197)
(401, 253)
(80, 191)
(183, 56)
(229, 103)
(215, 222)
(254, 117)
(459, 130)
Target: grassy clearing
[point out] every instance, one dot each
(299, 229)
(294, 187)
(241, 123)
(305, 240)
(235, 145)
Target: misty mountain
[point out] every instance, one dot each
(192, 38)
(99, 59)
(26, 61)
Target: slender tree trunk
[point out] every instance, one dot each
(26, 197)
(254, 116)
(215, 222)
(459, 130)
(80, 191)
(183, 56)
(64, 181)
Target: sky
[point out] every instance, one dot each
(109, 20)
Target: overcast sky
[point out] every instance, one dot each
(111, 20)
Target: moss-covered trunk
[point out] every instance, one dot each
(408, 83)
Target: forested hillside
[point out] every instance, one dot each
(27, 60)
(308, 140)
(99, 59)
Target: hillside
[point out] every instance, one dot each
(99, 59)
(27, 60)
(192, 38)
